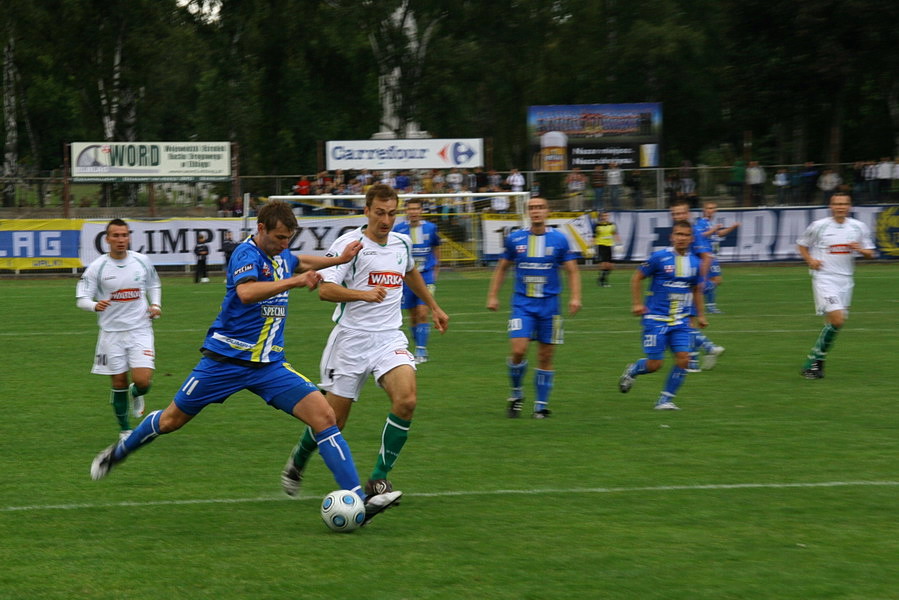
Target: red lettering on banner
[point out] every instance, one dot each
(385, 279)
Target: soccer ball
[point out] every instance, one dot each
(343, 510)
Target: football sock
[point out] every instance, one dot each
(822, 344)
(711, 291)
(336, 454)
(421, 332)
(136, 391)
(543, 381)
(605, 276)
(393, 438)
(304, 449)
(674, 381)
(639, 368)
(702, 342)
(144, 433)
(119, 401)
(516, 375)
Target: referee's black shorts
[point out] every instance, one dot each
(604, 253)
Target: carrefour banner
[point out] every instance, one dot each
(764, 234)
(405, 154)
(150, 161)
(39, 244)
(565, 136)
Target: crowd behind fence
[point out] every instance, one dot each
(741, 185)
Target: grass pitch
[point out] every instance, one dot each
(764, 485)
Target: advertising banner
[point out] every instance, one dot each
(404, 154)
(39, 243)
(565, 136)
(150, 161)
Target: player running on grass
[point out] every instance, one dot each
(673, 297)
(367, 338)
(244, 349)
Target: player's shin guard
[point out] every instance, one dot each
(674, 381)
(393, 438)
(822, 344)
(422, 332)
(119, 401)
(337, 456)
(136, 391)
(516, 376)
(143, 434)
(639, 368)
(710, 292)
(543, 381)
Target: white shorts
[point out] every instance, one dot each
(120, 351)
(832, 293)
(351, 356)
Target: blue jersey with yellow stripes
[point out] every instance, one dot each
(425, 241)
(537, 260)
(252, 332)
(672, 278)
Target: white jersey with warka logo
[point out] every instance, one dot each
(126, 283)
(375, 265)
(829, 242)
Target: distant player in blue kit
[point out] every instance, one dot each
(713, 232)
(425, 241)
(538, 253)
(702, 248)
(673, 297)
(244, 349)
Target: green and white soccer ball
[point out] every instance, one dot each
(343, 510)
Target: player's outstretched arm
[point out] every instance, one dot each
(333, 292)
(257, 291)
(308, 261)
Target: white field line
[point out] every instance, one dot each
(533, 492)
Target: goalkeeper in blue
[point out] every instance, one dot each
(674, 297)
(538, 253)
(425, 241)
(244, 350)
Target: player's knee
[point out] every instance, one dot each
(403, 406)
(653, 365)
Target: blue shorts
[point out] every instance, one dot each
(658, 336)
(536, 319)
(715, 269)
(410, 300)
(213, 382)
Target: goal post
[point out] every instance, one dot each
(471, 225)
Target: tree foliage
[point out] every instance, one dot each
(811, 81)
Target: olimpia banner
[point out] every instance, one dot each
(765, 234)
(150, 161)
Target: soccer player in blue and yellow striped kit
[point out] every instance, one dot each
(538, 254)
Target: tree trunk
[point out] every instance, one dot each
(10, 152)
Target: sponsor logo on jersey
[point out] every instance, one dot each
(385, 279)
(669, 268)
(127, 295)
(403, 352)
(840, 249)
(277, 312)
(266, 270)
(243, 269)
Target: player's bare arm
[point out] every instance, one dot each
(865, 252)
(332, 292)
(574, 286)
(813, 263)
(257, 291)
(496, 283)
(308, 261)
(637, 307)
(699, 302)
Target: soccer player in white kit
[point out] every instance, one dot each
(829, 247)
(123, 288)
(368, 337)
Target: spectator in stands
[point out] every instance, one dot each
(828, 183)
(809, 178)
(403, 182)
(598, 183)
(515, 181)
(782, 185)
(455, 180)
(576, 184)
(884, 179)
(228, 246)
(755, 178)
(737, 179)
(634, 180)
(614, 179)
(201, 251)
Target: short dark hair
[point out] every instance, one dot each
(115, 223)
(380, 190)
(417, 201)
(274, 212)
(682, 223)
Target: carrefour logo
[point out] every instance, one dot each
(457, 153)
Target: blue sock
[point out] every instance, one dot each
(543, 381)
(337, 456)
(711, 291)
(422, 332)
(639, 368)
(702, 342)
(674, 381)
(516, 375)
(144, 433)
